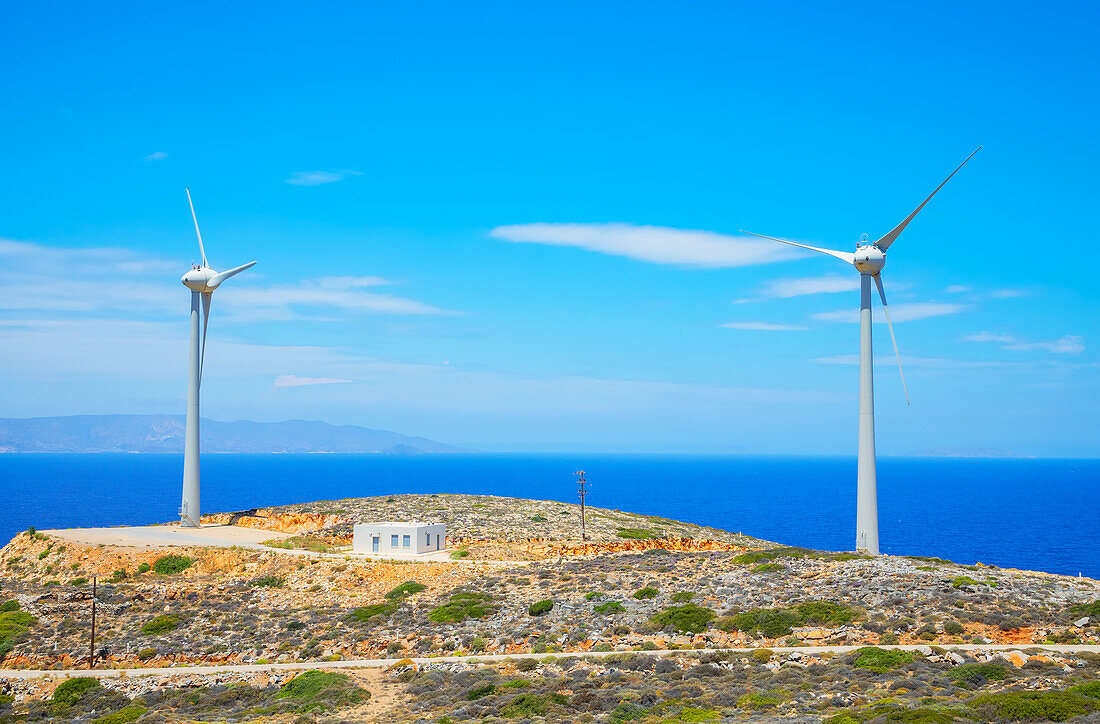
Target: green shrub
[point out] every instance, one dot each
(79, 581)
(405, 589)
(769, 568)
(71, 690)
(516, 683)
(268, 582)
(776, 622)
(756, 700)
(540, 607)
(326, 689)
(977, 674)
(688, 618)
(626, 711)
(463, 606)
(161, 625)
(461, 553)
(888, 639)
(609, 607)
(1032, 705)
(758, 556)
(694, 714)
(119, 575)
(593, 594)
(1090, 689)
(10, 605)
(530, 705)
(144, 568)
(646, 592)
(1092, 610)
(960, 581)
(146, 654)
(171, 564)
(366, 613)
(538, 519)
(762, 656)
(682, 597)
(480, 692)
(881, 660)
(636, 533)
(527, 664)
(953, 627)
(122, 716)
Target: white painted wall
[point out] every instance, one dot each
(399, 538)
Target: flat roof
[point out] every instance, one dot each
(405, 523)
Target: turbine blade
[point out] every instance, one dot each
(886, 311)
(206, 299)
(885, 242)
(202, 251)
(222, 276)
(842, 255)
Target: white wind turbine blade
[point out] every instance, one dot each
(222, 276)
(886, 311)
(206, 299)
(885, 242)
(194, 218)
(842, 255)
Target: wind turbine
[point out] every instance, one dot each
(868, 259)
(202, 281)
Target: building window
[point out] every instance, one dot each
(406, 541)
(393, 541)
(427, 540)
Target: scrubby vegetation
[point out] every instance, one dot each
(171, 564)
(688, 618)
(776, 622)
(463, 605)
(540, 607)
(405, 589)
(161, 625)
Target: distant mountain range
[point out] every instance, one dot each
(164, 434)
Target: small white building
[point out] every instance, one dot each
(399, 539)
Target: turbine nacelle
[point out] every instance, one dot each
(869, 259)
(198, 279)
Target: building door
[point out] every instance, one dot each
(374, 543)
(437, 541)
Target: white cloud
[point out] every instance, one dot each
(657, 244)
(295, 381)
(316, 178)
(898, 312)
(59, 280)
(957, 289)
(1008, 293)
(762, 326)
(787, 288)
(156, 156)
(1069, 344)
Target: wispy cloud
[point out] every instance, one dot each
(347, 292)
(156, 156)
(1008, 293)
(656, 244)
(1069, 344)
(762, 326)
(898, 312)
(787, 288)
(317, 178)
(62, 280)
(930, 362)
(295, 381)
(957, 289)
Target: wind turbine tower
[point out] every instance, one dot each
(202, 281)
(869, 259)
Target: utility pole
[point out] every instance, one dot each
(91, 647)
(582, 482)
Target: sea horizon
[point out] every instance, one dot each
(988, 510)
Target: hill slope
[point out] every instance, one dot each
(164, 434)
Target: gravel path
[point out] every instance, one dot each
(376, 663)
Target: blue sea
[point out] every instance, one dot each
(1035, 514)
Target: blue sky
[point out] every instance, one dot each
(514, 227)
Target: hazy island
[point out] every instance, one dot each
(648, 620)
